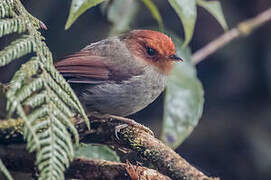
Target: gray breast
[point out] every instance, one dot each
(126, 97)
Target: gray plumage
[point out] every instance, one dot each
(127, 96)
(109, 82)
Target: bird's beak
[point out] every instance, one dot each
(174, 57)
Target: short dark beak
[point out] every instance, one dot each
(174, 57)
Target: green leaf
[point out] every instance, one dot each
(184, 100)
(187, 12)
(214, 8)
(154, 11)
(78, 7)
(121, 13)
(96, 152)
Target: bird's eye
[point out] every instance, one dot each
(151, 51)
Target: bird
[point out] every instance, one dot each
(122, 74)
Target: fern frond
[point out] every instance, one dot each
(6, 8)
(26, 71)
(4, 171)
(65, 86)
(34, 101)
(37, 114)
(48, 102)
(29, 89)
(57, 150)
(61, 106)
(67, 122)
(29, 134)
(38, 94)
(17, 49)
(57, 89)
(47, 60)
(14, 25)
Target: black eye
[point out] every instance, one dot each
(151, 51)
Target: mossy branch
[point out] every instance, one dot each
(80, 168)
(164, 159)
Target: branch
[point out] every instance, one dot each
(243, 29)
(16, 158)
(146, 146)
(132, 137)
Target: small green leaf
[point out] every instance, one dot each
(154, 11)
(96, 152)
(184, 100)
(187, 12)
(120, 13)
(214, 8)
(78, 7)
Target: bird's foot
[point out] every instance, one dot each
(128, 122)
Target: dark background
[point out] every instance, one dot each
(233, 138)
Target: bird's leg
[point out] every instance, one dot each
(127, 122)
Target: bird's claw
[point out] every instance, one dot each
(118, 128)
(127, 122)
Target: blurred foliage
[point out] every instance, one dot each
(96, 152)
(120, 13)
(185, 9)
(78, 7)
(214, 8)
(155, 12)
(184, 99)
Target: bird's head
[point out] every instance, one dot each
(154, 47)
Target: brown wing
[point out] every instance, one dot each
(83, 67)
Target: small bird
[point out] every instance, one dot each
(120, 75)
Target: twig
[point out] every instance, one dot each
(243, 29)
(16, 158)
